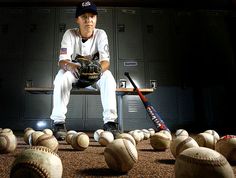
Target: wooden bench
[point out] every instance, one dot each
(120, 92)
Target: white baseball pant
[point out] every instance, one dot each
(61, 95)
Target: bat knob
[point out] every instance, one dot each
(126, 73)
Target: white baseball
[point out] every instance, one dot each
(182, 143)
(37, 161)
(168, 133)
(105, 138)
(160, 141)
(120, 155)
(27, 135)
(128, 137)
(69, 135)
(34, 136)
(48, 141)
(146, 134)
(206, 140)
(97, 133)
(152, 131)
(138, 136)
(214, 133)
(202, 162)
(8, 142)
(48, 131)
(226, 145)
(181, 132)
(80, 141)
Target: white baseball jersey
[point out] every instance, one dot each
(72, 45)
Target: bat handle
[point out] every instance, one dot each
(130, 79)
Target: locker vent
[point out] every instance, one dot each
(133, 106)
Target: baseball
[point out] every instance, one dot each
(27, 135)
(48, 141)
(8, 142)
(152, 131)
(37, 161)
(146, 134)
(105, 138)
(120, 155)
(202, 162)
(48, 131)
(181, 132)
(226, 145)
(128, 137)
(182, 143)
(138, 136)
(34, 136)
(7, 130)
(206, 140)
(167, 133)
(214, 133)
(80, 141)
(97, 133)
(160, 141)
(69, 135)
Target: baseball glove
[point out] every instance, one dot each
(90, 72)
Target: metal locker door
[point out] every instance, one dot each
(39, 42)
(12, 34)
(75, 113)
(158, 35)
(94, 117)
(11, 92)
(129, 33)
(134, 113)
(164, 99)
(38, 107)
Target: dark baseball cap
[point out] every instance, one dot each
(86, 6)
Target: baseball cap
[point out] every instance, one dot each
(86, 6)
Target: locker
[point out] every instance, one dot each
(39, 72)
(158, 35)
(11, 90)
(186, 106)
(39, 34)
(75, 112)
(37, 107)
(137, 72)
(12, 22)
(133, 110)
(129, 34)
(164, 100)
(94, 117)
(165, 73)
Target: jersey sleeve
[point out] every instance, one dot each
(103, 46)
(67, 45)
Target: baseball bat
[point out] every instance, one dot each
(153, 114)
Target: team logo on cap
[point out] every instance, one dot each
(85, 4)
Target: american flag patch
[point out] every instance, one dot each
(63, 51)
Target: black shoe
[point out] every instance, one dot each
(59, 131)
(112, 127)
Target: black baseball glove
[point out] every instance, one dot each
(89, 71)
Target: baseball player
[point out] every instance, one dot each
(91, 45)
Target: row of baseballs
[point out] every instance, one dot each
(204, 155)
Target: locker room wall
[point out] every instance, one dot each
(171, 50)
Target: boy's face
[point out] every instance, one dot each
(87, 21)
